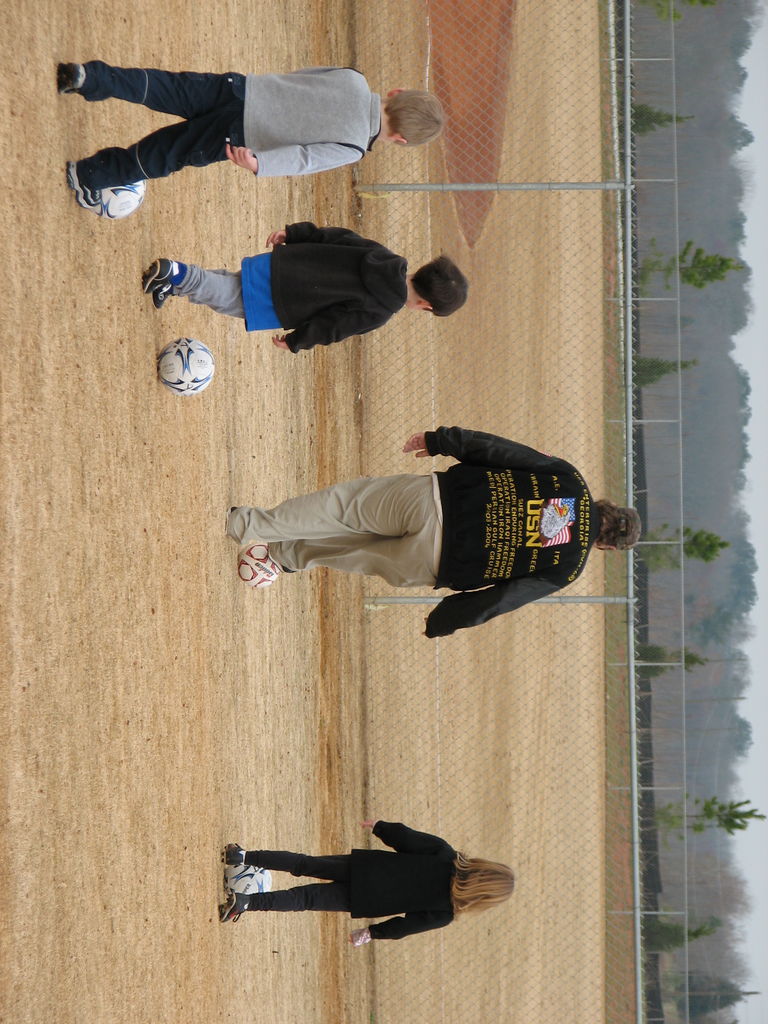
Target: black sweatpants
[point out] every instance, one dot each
(330, 895)
(211, 106)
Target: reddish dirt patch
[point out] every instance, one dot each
(472, 84)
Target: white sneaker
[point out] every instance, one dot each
(88, 198)
(254, 566)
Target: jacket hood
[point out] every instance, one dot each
(383, 274)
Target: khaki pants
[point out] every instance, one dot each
(378, 526)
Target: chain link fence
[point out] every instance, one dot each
(512, 740)
(676, 969)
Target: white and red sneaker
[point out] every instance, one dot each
(254, 566)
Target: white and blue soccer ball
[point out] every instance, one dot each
(186, 366)
(121, 200)
(247, 879)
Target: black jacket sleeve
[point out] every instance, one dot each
(411, 924)
(306, 231)
(408, 840)
(334, 323)
(473, 607)
(480, 449)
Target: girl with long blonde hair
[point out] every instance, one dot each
(424, 879)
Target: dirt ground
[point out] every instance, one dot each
(153, 708)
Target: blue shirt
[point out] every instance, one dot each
(256, 281)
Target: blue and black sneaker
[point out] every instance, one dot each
(233, 854)
(156, 281)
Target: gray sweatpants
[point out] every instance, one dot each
(222, 290)
(378, 526)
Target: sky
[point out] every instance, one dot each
(751, 351)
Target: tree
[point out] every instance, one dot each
(653, 659)
(702, 544)
(666, 8)
(743, 739)
(709, 995)
(659, 549)
(648, 371)
(702, 268)
(654, 263)
(646, 119)
(660, 936)
(731, 817)
(739, 135)
(697, 268)
(659, 553)
(691, 659)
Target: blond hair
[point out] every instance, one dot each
(479, 884)
(415, 115)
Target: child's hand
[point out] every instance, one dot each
(277, 238)
(359, 936)
(417, 444)
(279, 342)
(243, 157)
(369, 822)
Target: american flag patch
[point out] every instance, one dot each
(557, 516)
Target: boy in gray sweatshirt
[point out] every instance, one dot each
(272, 125)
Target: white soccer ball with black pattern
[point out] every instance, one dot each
(186, 366)
(247, 879)
(121, 200)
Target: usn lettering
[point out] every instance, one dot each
(532, 522)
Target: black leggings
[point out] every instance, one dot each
(330, 895)
(211, 106)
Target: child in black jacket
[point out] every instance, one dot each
(321, 284)
(425, 879)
